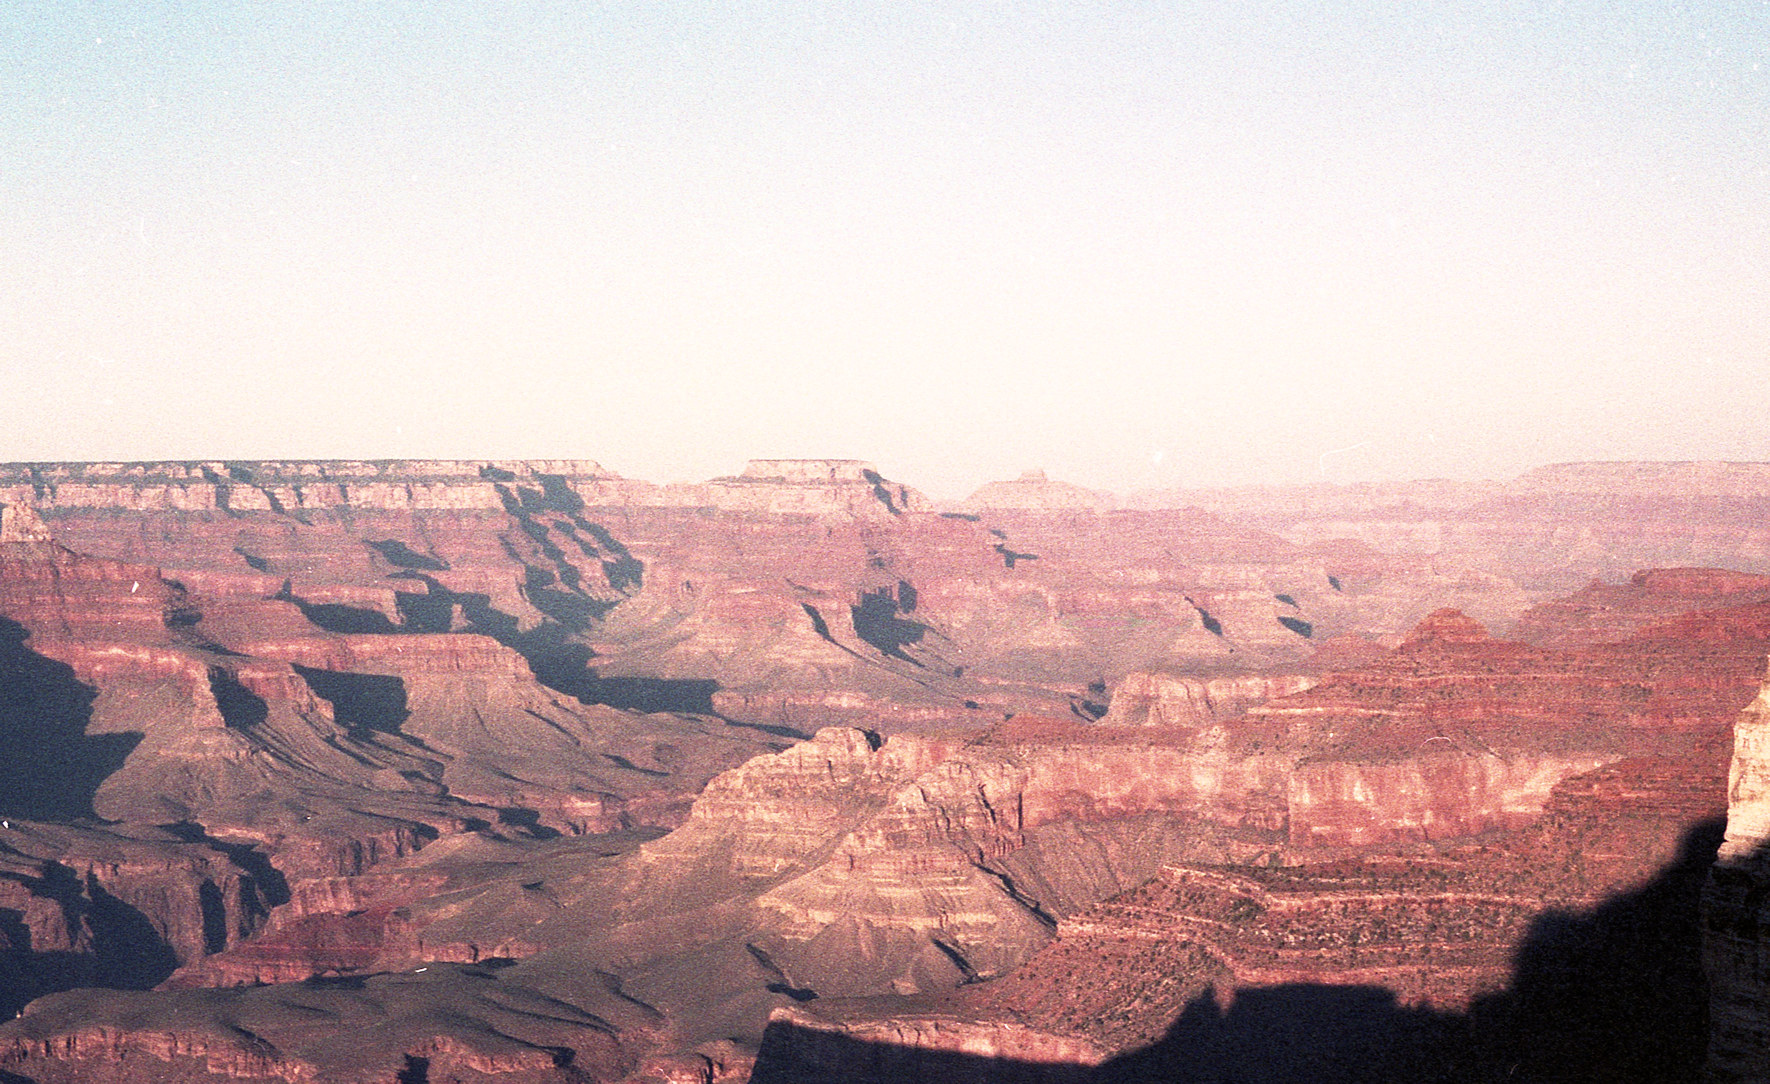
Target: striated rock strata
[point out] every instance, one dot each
(1456, 958)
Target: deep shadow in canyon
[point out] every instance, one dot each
(1613, 995)
(338, 617)
(558, 660)
(361, 703)
(50, 768)
(121, 949)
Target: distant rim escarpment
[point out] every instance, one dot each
(1032, 489)
(231, 485)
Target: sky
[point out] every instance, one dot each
(1137, 245)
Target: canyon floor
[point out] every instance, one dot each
(524, 772)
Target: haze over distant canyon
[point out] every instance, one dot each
(521, 771)
(1287, 597)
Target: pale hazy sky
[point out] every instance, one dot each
(1134, 244)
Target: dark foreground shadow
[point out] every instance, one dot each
(50, 768)
(1613, 995)
(1299, 1033)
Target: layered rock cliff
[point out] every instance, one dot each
(1462, 959)
(1567, 779)
(867, 603)
(1736, 949)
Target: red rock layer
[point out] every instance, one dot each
(755, 584)
(1603, 612)
(934, 858)
(1456, 732)
(1440, 928)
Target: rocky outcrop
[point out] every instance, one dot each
(1457, 732)
(1168, 700)
(814, 486)
(1736, 916)
(1154, 978)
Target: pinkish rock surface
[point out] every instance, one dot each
(561, 776)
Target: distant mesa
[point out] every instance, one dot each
(1034, 491)
(809, 471)
(812, 487)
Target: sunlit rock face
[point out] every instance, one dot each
(18, 523)
(1736, 910)
(1168, 700)
(1457, 732)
